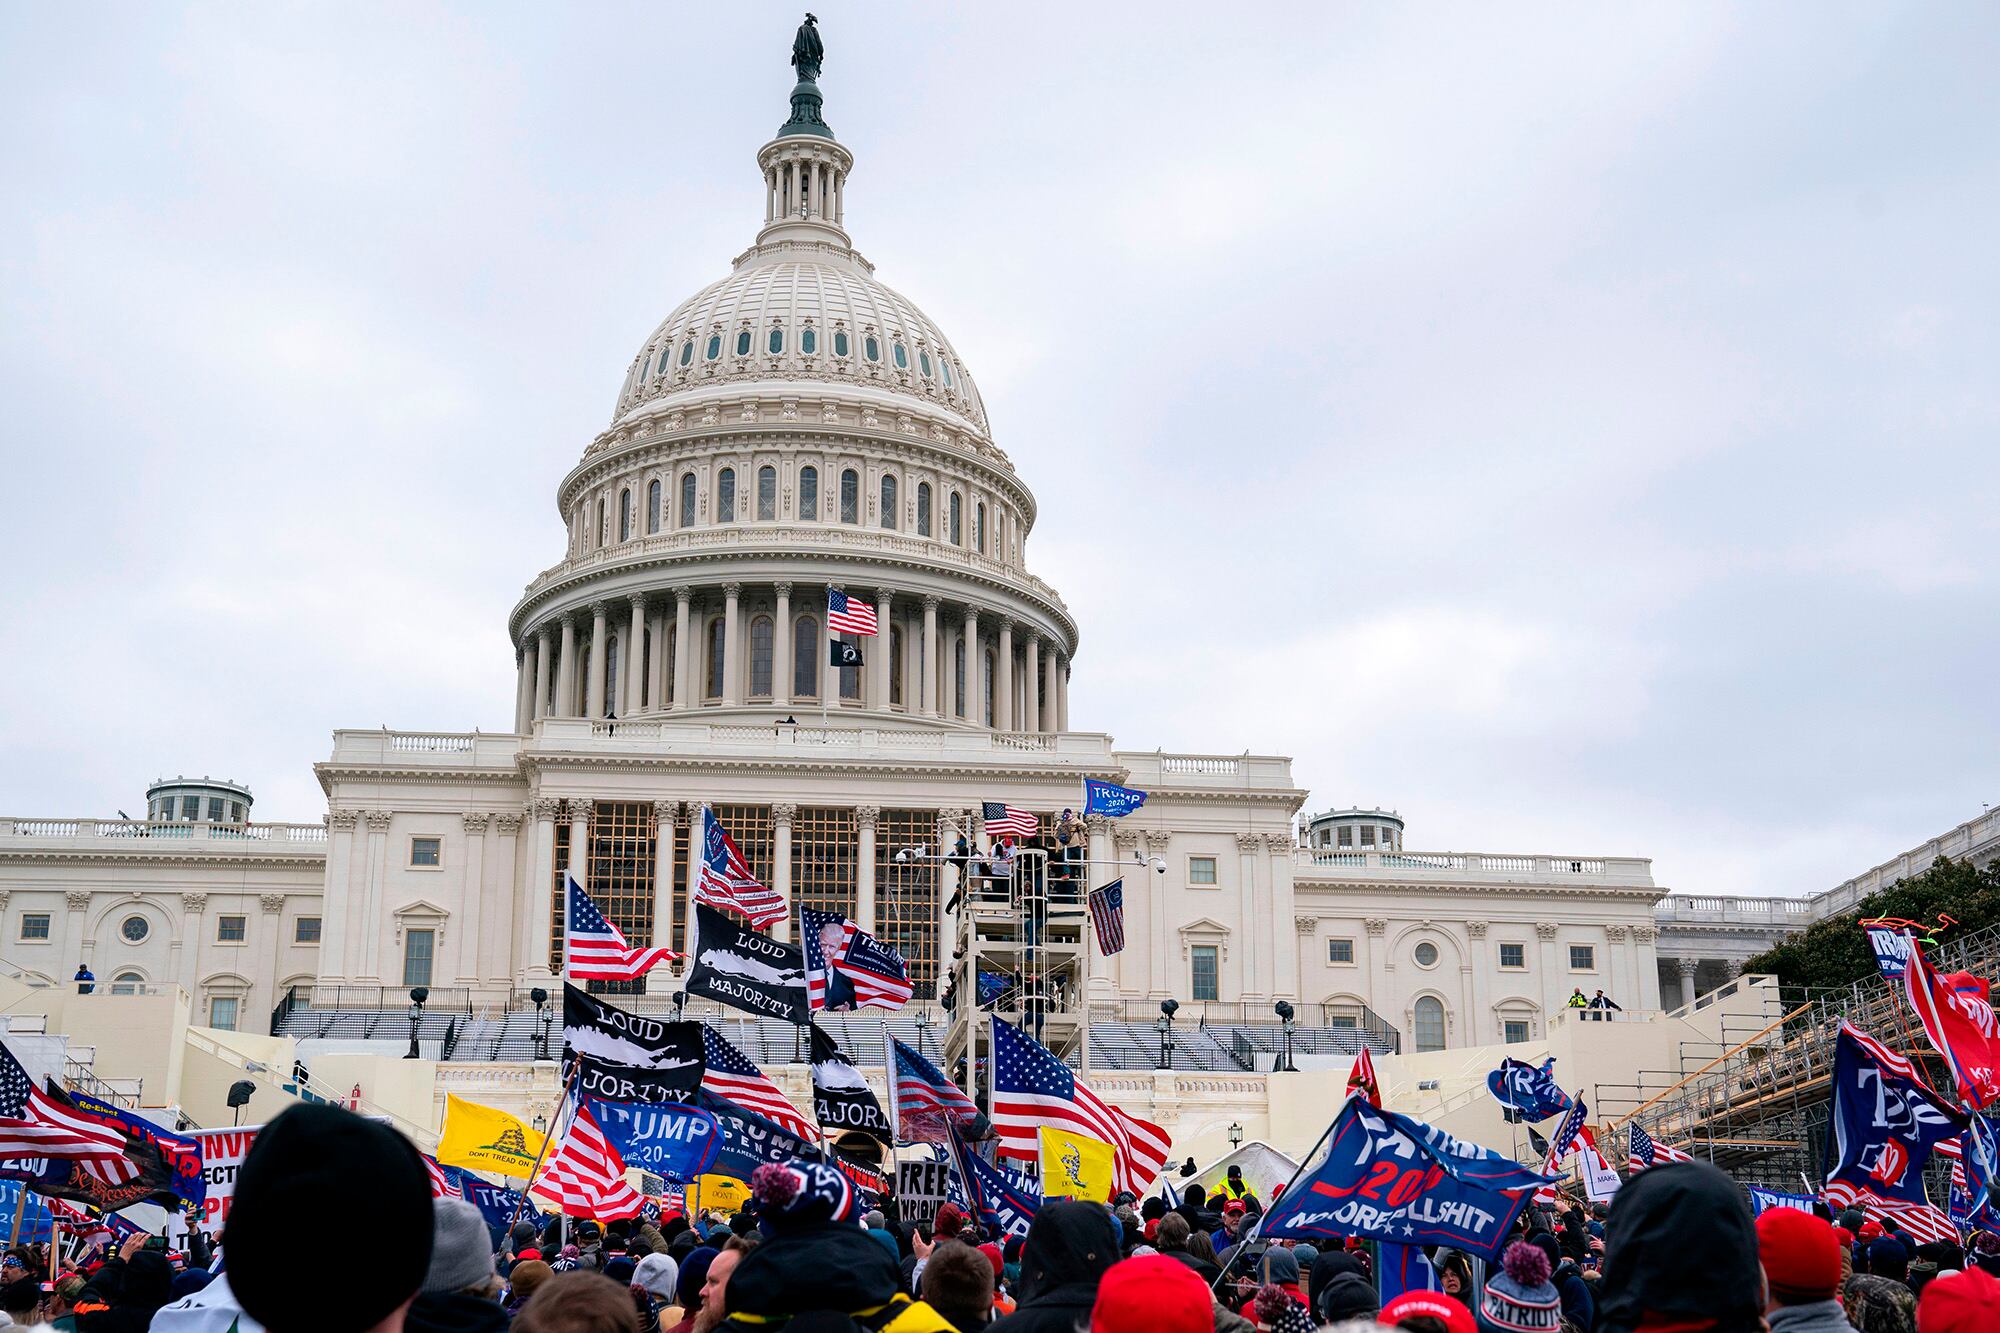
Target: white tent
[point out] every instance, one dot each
(1264, 1169)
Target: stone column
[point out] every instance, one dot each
(578, 860)
(878, 674)
(656, 661)
(541, 675)
(503, 871)
(336, 906)
(732, 647)
(594, 703)
(1062, 697)
(864, 877)
(1617, 984)
(1031, 710)
(565, 704)
(1554, 991)
(1003, 679)
(1376, 928)
(1646, 965)
(524, 688)
(635, 660)
(1687, 968)
(684, 694)
(930, 672)
(781, 650)
(1049, 671)
(195, 932)
(537, 905)
(1282, 903)
(973, 712)
(374, 915)
(1481, 1026)
(472, 894)
(782, 813)
(1256, 920)
(666, 818)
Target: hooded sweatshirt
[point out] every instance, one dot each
(1680, 1245)
(1069, 1247)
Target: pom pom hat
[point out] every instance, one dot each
(1519, 1298)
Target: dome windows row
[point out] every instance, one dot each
(658, 363)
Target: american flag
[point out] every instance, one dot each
(1925, 1222)
(594, 949)
(1032, 1088)
(731, 1076)
(1001, 819)
(925, 1105)
(1107, 916)
(848, 615)
(878, 974)
(443, 1185)
(1569, 1132)
(1641, 1151)
(585, 1177)
(725, 881)
(35, 1123)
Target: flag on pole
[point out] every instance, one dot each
(585, 1176)
(594, 949)
(1108, 798)
(1000, 818)
(1000, 1204)
(1361, 1079)
(847, 968)
(483, 1138)
(848, 615)
(35, 1123)
(1107, 916)
(1076, 1166)
(444, 1185)
(1569, 1133)
(841, 653)
(724, 879)
(924, 1105)
(1032, 1088)
(732, 1076)
(1956, 1011)
(1642, 1152)
(1884, 1124)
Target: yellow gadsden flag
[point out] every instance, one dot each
(717, 1192)
(1076, 1166)
(483, 1139)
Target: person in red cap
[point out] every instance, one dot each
(1152, 1294)
(1967, 1302)
(1801, 1258)
(1441, 1310)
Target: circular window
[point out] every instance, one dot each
(135, 930)
(1427, 955)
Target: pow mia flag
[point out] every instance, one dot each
(844, 654)
(842, 1099)
(740, 967)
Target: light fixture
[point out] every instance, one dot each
(1235, 1134)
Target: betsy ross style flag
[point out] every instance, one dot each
(1107, 917)
(1641, 1151)
(1032, 1088)
(732, 1076)
(1006, 819)
(594, 949)
(848, 615)
(847, 968)
(724, 879)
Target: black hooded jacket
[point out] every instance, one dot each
(1680, 1243)
(1068, 1249)
(136, 1289)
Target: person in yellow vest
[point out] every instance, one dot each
(1577, 999)
(1232, 1184)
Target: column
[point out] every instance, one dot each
(666, 818)
(1481, 1027)
(930, 672)
(374, 916)
(1062, 697)
(1687, 967)
(195, 933)
(782, 813)
(1378, 968)
(578, 861)
(1031, 711)
(1645, 967)
(565, 704)
(864, 878)
(471, 895)
(594, 703)
(683, 688)
(732, 651)
(263, 996)
(973, 712)
(524, 689)
(537, 905)
(1255, 921)
(503, 872)
(1049, 673)
(1003, 680)
(656, 665)
(336, 906)
(1283, 904)
(879, 673)
(781, 650)
(635, 660)
(541, 675)
(1617, 981)
(1554, 992)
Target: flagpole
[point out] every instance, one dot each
(555, 1123)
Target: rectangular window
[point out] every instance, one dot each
(1514, 1030)
(1344, 1022)
(1583, 958)
(190, 807)
(1201, 870)
(34, 925)
(424, 851)
(1514, 955)
(306, 930)
(418, 948)
(230, 929)
(1345, 836)
(1340, 951)
(1367, 835)
(1205, 972)
(236, 812)
(222, 1011)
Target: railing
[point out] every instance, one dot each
(477, 749)
(165, 830)
(1637, 870)
(1689, 909)
(1973, 837)
(442, 999)
(79, 1074)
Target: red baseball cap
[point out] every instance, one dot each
(1453, 1315)
(1233, 1206)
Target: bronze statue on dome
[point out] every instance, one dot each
(807, 50)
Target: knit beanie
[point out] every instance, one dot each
(461, 1249)
(1801, 1256)
(296, 1194)
(1276, 1310)
(1152, 1294)
(1519, 1298)
(798, 1195)
(1967, 1302)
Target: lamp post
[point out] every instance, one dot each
(1235, 1135)
(543, 1015)
(418, 995)
(1165, 1025)
(1285, 1012)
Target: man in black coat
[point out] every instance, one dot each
(1067, 1251)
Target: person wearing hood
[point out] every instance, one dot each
(1579, 1309)
(461, 1292)
(1070, 1247)
(135, 1285)
(1279, 1268)
(1680, 1247)
(1801, 1259)
(659, 1277)
(687, 1286)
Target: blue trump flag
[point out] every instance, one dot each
(1108, 798)
(1971, 1202)
(1885, 1122)
(500, 1206)
(1529, 1092)
(1388, 1177)
(1403, 1268)
(749, 1141)
(1763, 1201)
(671, 1139)
(997, 1202)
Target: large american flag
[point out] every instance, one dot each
(878, 974)
(585, 1177)
(1569, 1132)
(1641, 1151)
(1000, 819)
(732, 1076)
(724, 879)
(848, 615)
(925, 1105)
(1107, 916)
(1926, 1222)
(594, 948)
(443, 1184)
(35, 1123)
(1032, 1088)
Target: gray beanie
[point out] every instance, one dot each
(658, 1274)
(461, 1250)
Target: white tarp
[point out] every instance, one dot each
(1264, 1169)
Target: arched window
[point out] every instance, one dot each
(840, 342)
(895, 664)
(871, 349)
(1430, 1023)
(687, 351)
(603, 525)
(777, 342)
(725, 495)
(923, 509)
(954, 528)
(760, 658)
(653, 505)
(613, 659)
(889, 502)
(808, 340)
(902, 357)
(127, 983)
(743, 343)
(714, 346)
(767, 493)
(850, 496)
(986, 687)
(979, 527)
(687, 499)
(625, 515)
(715, 645)
(809, 494)
(924, 363)
(805, 658)
(958, 679)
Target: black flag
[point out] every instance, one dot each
(842, 1099)
(844, 654)
(740, 967)
(625, 1057)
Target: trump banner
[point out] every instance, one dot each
(1886, 1120)
(672, 1140)
(749, 1141)
(1110, 799)
(1763, 1201)
(1529, 1092)
(1387, 1177)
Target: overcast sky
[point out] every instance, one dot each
(1573, 426)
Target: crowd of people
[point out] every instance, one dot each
(332, 1229)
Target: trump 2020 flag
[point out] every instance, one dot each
(1391, 1178)
(1885, 1122)
(847, 968)
(1529, 1092)
(1763, 1201)
(674, 1140)
(1891, 946)
(1000, 1205)
(1108, 798)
